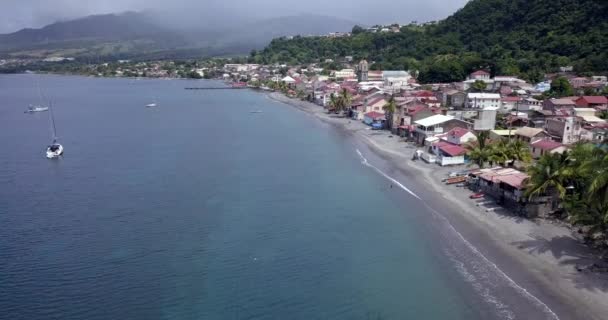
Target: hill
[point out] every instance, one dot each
(139, 35)
(517, 37)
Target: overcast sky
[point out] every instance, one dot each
(17, 14)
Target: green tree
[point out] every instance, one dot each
(478, 151)
(389, 110)
(561, 87)
(479, 86)
(357, 29)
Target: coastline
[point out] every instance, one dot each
(539, 255)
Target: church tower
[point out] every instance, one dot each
(362, 71)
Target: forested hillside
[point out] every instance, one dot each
(515, 37)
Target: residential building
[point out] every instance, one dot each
(459, 136)
(482, 100)
(554, 104)
(480, 75)
(530, 135)
(362, 71)
(501, 134)
(566, 130)
(588, 115)
(509, 103)
(448, 153)
(530, 104)
(578, 82)
(598, 102)
(542, 147)
(438, 124)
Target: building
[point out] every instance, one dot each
(530, 104)
(479, 75)
(554, 104)
(501, 134)
(448, 153)
(363, 71)
(482, 100)
(344, 74)
(578, 82)
(428, 128)
(588, 115)
(373, 117)
(542, 147)
(598, 102)
(530, 135)
(460, 136)
(509, 104)
(566, 130)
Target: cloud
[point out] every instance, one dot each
(17, 14)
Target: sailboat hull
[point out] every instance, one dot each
(54, 151)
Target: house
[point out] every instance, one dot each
(509, 104)
(554, 104)
(428, 128)
(529, 134)
(506, 185)
(566, 130)
(454, 99)
(542, 147)
(501, 134)
(480, 75)
(530, 104)
(598, 102)
(459, 136)
(289, 81)
(588, 115)
(482, 100)
(448, 153)
(373, 117)
(578, 82)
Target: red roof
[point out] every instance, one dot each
(511, 99)
(415, 109)
(424, 93)
(376, 100)
(480, 73)
(593, 99)
(375, 115)
(458, 132)
(452, 150)
(546, 145)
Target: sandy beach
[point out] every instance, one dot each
(540, 256)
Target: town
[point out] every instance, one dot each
(510, 141)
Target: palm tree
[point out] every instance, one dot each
(547, 176)
(519, 151)
(333, 102)
(389, 110)
(499, 153)
(478, 151)
(597, 167)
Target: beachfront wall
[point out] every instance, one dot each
(449, 161)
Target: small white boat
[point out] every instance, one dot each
(54, 150)
(151, 105)
(255, 111)
(37, 108)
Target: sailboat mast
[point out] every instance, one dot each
(53, 128)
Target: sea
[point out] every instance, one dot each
(219, 204)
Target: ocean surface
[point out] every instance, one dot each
(201, 209)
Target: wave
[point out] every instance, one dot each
(483, 270)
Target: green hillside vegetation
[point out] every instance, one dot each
(516, 37)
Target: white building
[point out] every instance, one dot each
(483, 100)
(345, 74)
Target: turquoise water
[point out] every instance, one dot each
(199, 209)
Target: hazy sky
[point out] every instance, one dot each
(17, 14)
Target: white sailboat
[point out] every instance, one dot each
(55, 149)
(38, 107)
(152, 105)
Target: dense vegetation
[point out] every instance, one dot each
(579, 179)
(515, 37)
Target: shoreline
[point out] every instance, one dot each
(539, 256)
